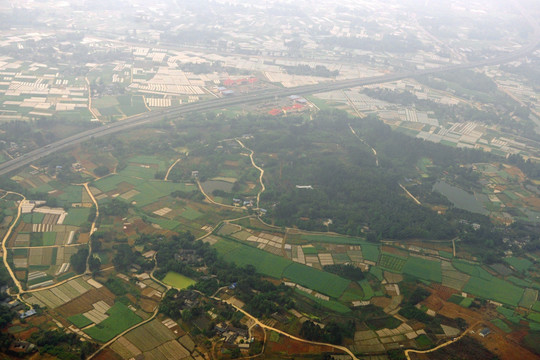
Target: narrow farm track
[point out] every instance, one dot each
(5, 239)
(364, 142)
(210, 200)
(169, 170)
(266, 327)
(256, 167)
(92, 228)
(409, 351)
(410, 195)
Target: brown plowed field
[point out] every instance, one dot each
(291, 347)
(84, 302)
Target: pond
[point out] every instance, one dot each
(460, 198)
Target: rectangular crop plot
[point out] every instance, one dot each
(519, 264)
(423, 269)
(370, 252)
(323, 282)
(190, 214)
(77, 216)
(49, 238)
(501, 325)
(494, 289)
(125, 348)
(392, 263)
(150, 335)
(265, 263)
(529, 298)
(120, 318)
(178, 281)
(79, 321)
(171, 350)
(472, 269)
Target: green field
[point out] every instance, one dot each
(34, 218)
(518, 263)
(367, 289)
(71, 194)
(131, 104)
(501, 325)
(165, 223)
(49, 238)
(151, 191)
(534, 317)
(423, 269)
(137, 171)
(392, 263)
(120, 318)
(472, 269)
(529, 298)
(79, 320)
(190, 214)
(494, 289)
(536, 306)
(370, 251)
(77, 216)
(178, 281)
(111, 182)
(264, 262)
(323, 282)
(509, 314)
(331, 305)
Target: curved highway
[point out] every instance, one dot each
(253, 97)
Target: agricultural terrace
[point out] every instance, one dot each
(41, 245)
(284, 256)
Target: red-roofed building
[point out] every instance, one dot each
(275, 112)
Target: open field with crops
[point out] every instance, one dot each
(120, 318)
(178, 281)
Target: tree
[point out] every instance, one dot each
(101, 171)
(78, 260)
(94, 263)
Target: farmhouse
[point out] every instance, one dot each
(485, 332)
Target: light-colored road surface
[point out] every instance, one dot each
(256, 167)
(410, 195)
(364, 142)
(169, 170)
(258, 322)
(6, 237)
(92, 228)
(210, 200)
(409, 351)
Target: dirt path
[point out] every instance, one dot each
(258, 322)
(90, 97)
(169, 170)
(256, 167)
(215, 202)
(409, 351)
(6, 237)
(410, 195)
(364, 142)
(92, 228)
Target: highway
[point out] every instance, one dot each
(253, 97)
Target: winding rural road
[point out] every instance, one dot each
(92, 228)
(256, 167)
(6, 237)
(413, 351)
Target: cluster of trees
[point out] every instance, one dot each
(64, 346)
(346, 271)
(332, 333)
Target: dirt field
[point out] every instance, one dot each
(394, 251)
(84, 302)
(291, 347)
